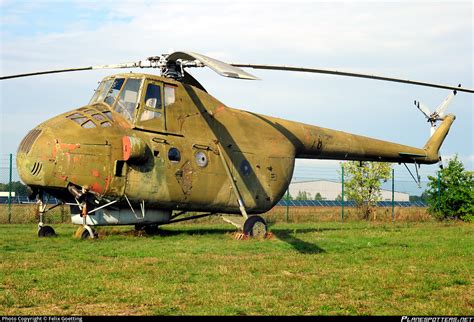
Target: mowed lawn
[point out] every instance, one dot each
(200, 269)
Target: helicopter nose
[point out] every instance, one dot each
(35, 158)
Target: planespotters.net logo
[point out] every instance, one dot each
(437, 319)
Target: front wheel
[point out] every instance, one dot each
(46, 231)
(256, 227)
(151, 229)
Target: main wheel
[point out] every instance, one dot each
(255, 226)
(46, 231)
(151, 229)
(87, 235)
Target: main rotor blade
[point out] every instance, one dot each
(350, 74)
(54, 71)
(218, 66)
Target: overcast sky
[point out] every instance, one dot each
(419, 40)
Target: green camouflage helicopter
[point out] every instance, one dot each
(147, 149)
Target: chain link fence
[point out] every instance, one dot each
(313, 190)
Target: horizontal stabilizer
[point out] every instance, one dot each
(412, 155)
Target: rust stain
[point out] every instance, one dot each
(107, 183)
(70, 147)
(97, 187)
(219, 109)
(309, 137)
(185, 178)
(54, 152)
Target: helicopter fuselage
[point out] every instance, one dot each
(150, 142)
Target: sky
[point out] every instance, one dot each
(418, 40)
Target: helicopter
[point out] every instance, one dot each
(148, 149)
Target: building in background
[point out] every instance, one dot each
(5, 194)
(330, 190)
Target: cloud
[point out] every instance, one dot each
(417, 40)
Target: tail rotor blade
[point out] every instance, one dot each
(423, 108)
(444, 105)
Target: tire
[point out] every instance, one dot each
(256, 227)
(86, 235)
(151, 229)
(46, 231)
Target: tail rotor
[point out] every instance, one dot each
(438, 114)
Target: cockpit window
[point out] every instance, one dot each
(100, 92)
(113, 91)
(127, 101)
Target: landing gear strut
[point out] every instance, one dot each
(43, 231)
(86, 231)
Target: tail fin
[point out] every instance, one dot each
(436, 140)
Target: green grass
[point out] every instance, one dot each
(200, 269)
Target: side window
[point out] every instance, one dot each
(169, 95)
(153, 108)
(128, 98)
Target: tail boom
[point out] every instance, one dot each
(320, 143)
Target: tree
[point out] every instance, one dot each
(455, 197)
(17, 187)
(423, 197)
(303, 195)
(318, 196)
(363, 183)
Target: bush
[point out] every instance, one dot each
(455, 199)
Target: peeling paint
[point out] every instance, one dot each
(97, 187)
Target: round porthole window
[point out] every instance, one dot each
(201, 159)
(174, 155)
(245, 168)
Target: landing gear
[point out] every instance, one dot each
(256, 227)
(148, 229)
(46, 231)
(85, 232)
(151, 229)
(43, 231)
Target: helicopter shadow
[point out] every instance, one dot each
(291, 237)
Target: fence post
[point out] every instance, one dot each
(439, 190)
(10, 192)
(393, 194)
(287, 202)
(342, 182)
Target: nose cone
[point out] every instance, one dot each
(36, 158)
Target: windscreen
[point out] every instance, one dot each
(128, 99)
(120, 94)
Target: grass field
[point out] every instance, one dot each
(200, 269)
